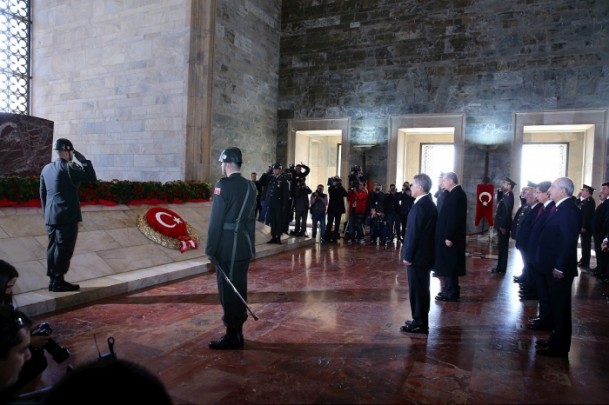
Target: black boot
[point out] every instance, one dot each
(231, 341)
(60, 285)
(51, 282)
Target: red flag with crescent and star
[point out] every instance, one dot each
(171, 225)
(484, 203)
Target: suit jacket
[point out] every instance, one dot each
(558, 240)
(451, 225)
(59, 183)
(418, 246)
(503, 216)
(526, 226)
(538, 222)
(228, 198)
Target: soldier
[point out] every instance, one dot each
(59, 182)
(231, 245)
(278, 203)
(503, 224)
(586, 206)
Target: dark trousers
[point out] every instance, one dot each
(276, 217)
(62, 241)
(560, 297)
(333, 225)
(543, 294)
(393, 223)
(235, 312)
(586, 242)
(451, 289)
(418, 287)
(503, 243)
(301, 220)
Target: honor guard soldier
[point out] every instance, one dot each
(278, 201)
(59, 182)
(231, 244)
(587, 207)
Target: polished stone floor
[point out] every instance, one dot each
(329, 333)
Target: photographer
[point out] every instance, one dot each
(406, 202)
(356, 177)
(14, 352)
(39, 339)
(358, 201)
(301, 207)
(336, 208)
(319, 206)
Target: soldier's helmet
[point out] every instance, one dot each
(63, 144)
(231, 155)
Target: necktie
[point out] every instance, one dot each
(540, 211)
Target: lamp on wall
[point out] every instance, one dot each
(364, 148)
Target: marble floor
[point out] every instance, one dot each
(329, 333)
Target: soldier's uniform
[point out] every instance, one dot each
(59, 182)
(231, 245)
(278, 200)
(587, 207)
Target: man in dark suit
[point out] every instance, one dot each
(557, 255)
(59, 182)
(503, 224)
(543, 319)
(450, 238)
(586, 206)
(525, 226)
(231, 244)
(418, 253)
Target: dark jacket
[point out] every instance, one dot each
(59, 183)
(558, 238)
(503, 216)
(337, 199)
(418, 246)
(525, 227)
(587, 208)
(228, 200)
(451, 225)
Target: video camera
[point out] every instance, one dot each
(355, 177)
(58, 352)
(332, 180)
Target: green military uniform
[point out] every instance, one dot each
(231, 244)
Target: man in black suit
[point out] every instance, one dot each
(418, 253)
(277, 199)
(586, 206)
(450, 238)
(523, 234)
(503, 224)
(557, 255)
(231, 244)
(59, 182)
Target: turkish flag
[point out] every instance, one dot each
(484, 203)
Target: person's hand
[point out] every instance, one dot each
(448, 243)
(406, 262)
(557, 274)
(502, 230)
(79, 156)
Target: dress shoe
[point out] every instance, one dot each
(550, 352)
(444, 298)
(542, 343)
(63, 286)
(273, 240)
(414, 328)
(227, 342)
(528, 297)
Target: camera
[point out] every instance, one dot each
(59, 353)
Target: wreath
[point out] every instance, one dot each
(167, 228)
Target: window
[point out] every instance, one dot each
(437, 158)
(543, 161)
(15, 56)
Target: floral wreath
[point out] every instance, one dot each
(165, 227)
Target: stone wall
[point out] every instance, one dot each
(370, 60)
(246, 79)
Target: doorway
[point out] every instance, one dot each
(583, 132)
(407, 139)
